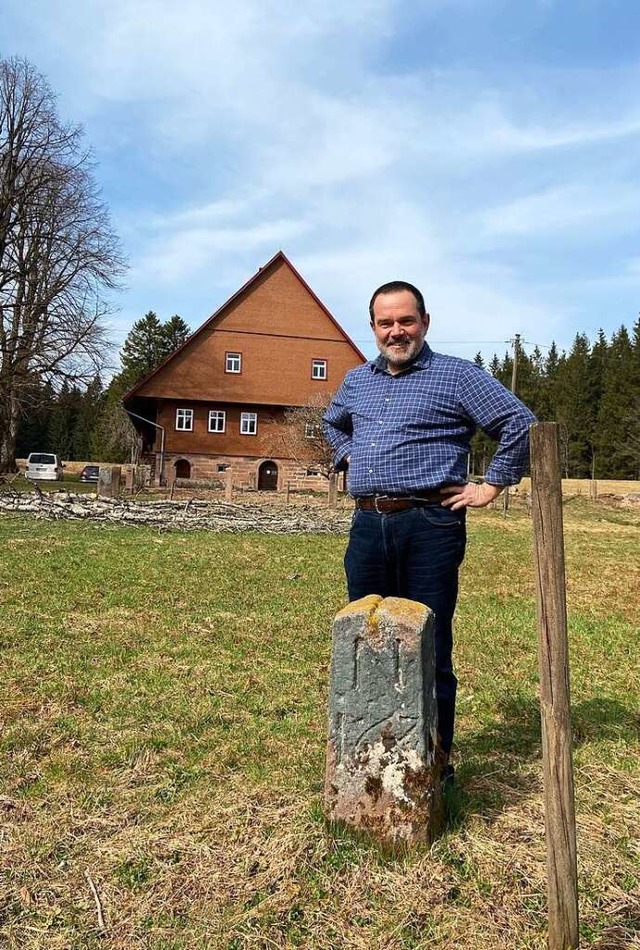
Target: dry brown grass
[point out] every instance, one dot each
(582, 486)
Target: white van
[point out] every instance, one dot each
(43, 466)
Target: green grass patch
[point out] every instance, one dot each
(70, 482)
(163, 711)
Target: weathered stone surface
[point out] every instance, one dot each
(382, 772)
(109, 481)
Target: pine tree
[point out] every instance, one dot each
(635, 347)
(615, 423)
(143, 349)
(634, 414)
(526, 381)
(505, 370)
(174, 333)
(594, 391)
(88, 410)
(60, 423)
(572, 409)
(539, 402)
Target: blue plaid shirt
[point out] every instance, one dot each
(412, 431)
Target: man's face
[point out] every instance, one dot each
(398, 327)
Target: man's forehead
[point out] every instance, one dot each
(400, 302)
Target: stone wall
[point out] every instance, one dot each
(245, 471)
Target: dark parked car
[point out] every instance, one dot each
(89, 473)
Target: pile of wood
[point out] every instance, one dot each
(191, 515)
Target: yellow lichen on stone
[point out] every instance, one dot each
(404, 611)
(366, 605)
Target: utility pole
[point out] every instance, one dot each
(515, 343)
(514, 371)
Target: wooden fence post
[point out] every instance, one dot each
(560, 822)
(332, 496)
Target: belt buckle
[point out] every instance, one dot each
(376, 499)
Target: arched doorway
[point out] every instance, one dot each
(183, 468)
(268, 476)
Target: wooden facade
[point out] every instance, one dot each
(219, 402)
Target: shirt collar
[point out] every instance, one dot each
(422, 361)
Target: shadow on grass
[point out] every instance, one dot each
(495, 770)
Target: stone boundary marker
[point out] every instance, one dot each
(382, 774)
(109, 481)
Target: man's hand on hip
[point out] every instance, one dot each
(471, 495)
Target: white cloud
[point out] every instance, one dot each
(183, 254)
(575, 207)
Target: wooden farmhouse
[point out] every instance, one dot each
(217, 405)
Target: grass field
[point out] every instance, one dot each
(163, 706)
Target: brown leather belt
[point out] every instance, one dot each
(387, 504)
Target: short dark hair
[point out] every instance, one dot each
(394, 287)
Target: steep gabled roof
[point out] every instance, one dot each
(279, 258)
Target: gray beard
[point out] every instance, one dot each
(401, 357)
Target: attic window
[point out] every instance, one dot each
(233, 363)
(184, 420)
(318, 369)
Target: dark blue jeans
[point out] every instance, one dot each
(414, 554)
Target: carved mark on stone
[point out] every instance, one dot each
(355, 682)
(389, 733)
(411, 722)
(398, 673)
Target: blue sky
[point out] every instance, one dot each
(486, 150)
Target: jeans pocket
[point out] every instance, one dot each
(441, 517)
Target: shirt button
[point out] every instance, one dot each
(370, 471)
(373, 443)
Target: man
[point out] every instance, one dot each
(403, 424)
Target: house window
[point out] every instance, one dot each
(184, 420)
(233, 363)
(318, 369)
(311, 430)
(248, 423)
(217, 420)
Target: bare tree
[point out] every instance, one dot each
(58, 252)
(302, 435)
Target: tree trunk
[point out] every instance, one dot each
(8, 435)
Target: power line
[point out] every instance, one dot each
(546, 346)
